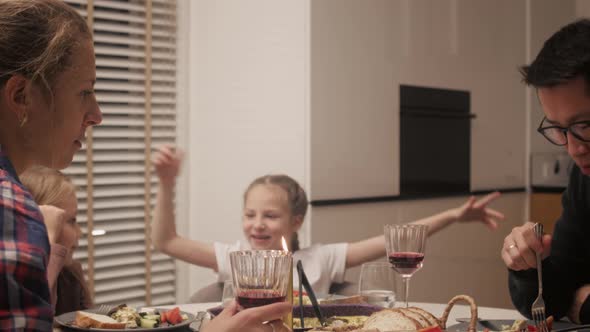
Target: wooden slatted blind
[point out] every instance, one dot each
(135, 46)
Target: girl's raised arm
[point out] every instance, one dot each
(167, 165)
(472, 210)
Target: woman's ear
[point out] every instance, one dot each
(15, 98)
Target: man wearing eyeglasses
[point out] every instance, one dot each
(561, 76)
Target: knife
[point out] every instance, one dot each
(196, 324)
(483, 322)
(314, 301)
(301, 299)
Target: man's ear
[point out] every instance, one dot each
(15, 95)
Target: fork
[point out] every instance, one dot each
(538, 307)
(103, 309)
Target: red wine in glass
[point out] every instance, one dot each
(256, 298)
(405, 246)
(406, 263)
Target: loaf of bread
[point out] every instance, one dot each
(398, 319)
(90, 320)
(430, 318)
(392, 320)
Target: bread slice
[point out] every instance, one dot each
(432, 320)
(87, 319)
(391, 320)
(420, 318)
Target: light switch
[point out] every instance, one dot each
(550, 169)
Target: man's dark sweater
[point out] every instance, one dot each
(568, 266)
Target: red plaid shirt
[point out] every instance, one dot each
(24, 250)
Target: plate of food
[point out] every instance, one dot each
(126, 318)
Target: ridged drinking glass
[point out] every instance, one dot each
(260, 277)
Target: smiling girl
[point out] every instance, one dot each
(275, 207)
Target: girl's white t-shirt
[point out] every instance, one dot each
(323, 264)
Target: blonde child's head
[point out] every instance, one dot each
(274, 207)
(51, 187)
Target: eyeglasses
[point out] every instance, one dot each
(558, 135)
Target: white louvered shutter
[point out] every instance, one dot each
(136, 90)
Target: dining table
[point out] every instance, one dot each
(458, 311)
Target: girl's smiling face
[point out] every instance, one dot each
(267, 217)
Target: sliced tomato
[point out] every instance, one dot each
(163, 317)
(434, 328)
(173, 316)
(550, 323)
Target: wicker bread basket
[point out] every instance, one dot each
(472, 306)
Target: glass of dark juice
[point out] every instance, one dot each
(260, 277)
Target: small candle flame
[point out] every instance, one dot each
(284, 242)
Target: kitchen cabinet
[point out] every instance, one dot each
(545, 208)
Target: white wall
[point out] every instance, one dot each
(247, 102)
(363, 50)
(354, 122)
(582, 8)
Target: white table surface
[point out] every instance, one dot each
(458, 311)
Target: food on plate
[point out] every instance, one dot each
(127, 315)
(398, 319)
(426, 318)
(124, 317)
(173, 316)
(435, 328)
(404, 319)
(518, 325)
(522, 325)
(305, 298)
(345, 300)
(334, 321)
(401, 319)
(90, 320)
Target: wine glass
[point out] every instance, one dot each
(377, 284)
(260, 277)
(405, 246)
